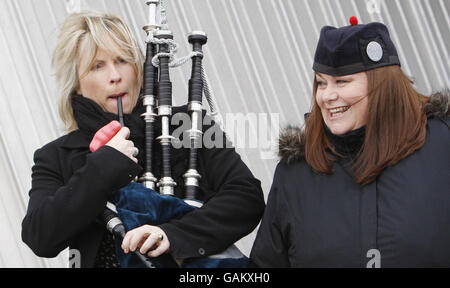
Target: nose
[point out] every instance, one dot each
(330, 94)
(115, 75)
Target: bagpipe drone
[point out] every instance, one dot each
(138, 203)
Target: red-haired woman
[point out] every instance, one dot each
(366, 182)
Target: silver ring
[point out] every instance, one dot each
(136, 151)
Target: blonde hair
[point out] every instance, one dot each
(91, 31)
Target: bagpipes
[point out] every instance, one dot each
(138, 203)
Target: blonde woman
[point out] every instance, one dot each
(96, 60)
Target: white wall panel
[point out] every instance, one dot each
(258, 58)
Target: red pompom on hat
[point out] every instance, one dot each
(353, 20)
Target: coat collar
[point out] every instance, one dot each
(76, 139)
(439, 104)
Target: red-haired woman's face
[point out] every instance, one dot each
(342, 101)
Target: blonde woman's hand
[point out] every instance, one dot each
(150, 240)
(121, 143)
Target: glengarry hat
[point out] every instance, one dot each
(354, 48)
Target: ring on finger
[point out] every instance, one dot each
(136, 151)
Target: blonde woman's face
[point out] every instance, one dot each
(343, 101)
(109, 77)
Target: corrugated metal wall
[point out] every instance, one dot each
(258, 58)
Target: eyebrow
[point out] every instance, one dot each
(318, 75)
(103, 60)
(345, 77)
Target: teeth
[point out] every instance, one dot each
(339, 109)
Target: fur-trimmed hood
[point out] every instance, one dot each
(292, 139)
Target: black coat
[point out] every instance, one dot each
(70, 188)
(319, 220)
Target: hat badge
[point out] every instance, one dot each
(374, 51)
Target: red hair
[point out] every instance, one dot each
(395, 128)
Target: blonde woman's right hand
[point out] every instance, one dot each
(121, 143)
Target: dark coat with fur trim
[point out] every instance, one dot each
(318, 220)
